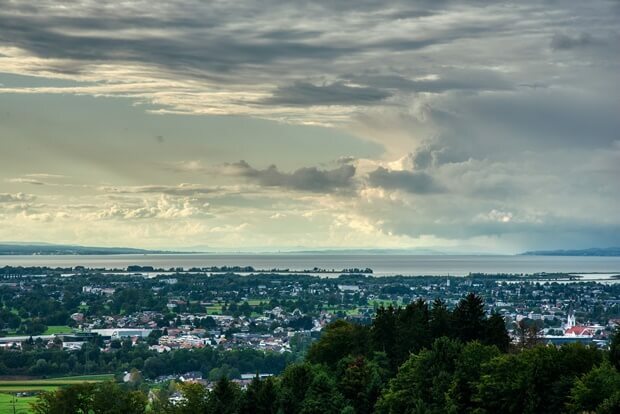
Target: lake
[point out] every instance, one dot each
(383, 265)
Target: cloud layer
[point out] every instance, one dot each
(474, 124)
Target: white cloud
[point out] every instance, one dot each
(16, 198)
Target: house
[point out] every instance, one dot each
(191, 376)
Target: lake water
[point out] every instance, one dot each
(383, 265)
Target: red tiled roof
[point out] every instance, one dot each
(579, 330)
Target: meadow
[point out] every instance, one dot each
(12, 399)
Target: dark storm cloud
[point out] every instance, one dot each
(416, 182)
(562, 41)
(208, 41)
(213, 53)
(549, 230)
(291, 34)
(544, 120)
(304, 179)
(553, 231)
(201, 38)
(450, 79)
(307, 94)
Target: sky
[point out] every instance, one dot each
(460, 126)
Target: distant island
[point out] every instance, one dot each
(12, 249)
(601, 252)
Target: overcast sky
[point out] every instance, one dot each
(467, 126)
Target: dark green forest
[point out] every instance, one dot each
(418, 359)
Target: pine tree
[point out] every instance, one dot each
(495, 332)
(440, 319)
(469, 319)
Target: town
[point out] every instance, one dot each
(277, 315)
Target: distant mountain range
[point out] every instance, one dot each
(7, 249)
(607, 251)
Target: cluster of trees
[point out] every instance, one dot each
(398, 332)
(101, 398)
(37, 360)
(31, 314)
(450, 377)
(417, 359)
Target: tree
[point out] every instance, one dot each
(153, 367)
(422, 382)
(260, 397)
(225, 398)
(72, 399)
(467, 375)
(359, 383)
(536, 380)
(294, 384)
(611, 405)
(598, 388)
(501, 388)
(528, 333)
(495, 332)
(109, 398)
(154, 336)
(412, 330)
(40, 368)
(614, 349)
(160, 400)
(103, 398)
(383, 334)
(195, 399)
(322, 396)
(341, 338)
(440, 319)
(469, 319)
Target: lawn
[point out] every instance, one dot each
(384, 302)
(86, 378)
(338, 308)
(22, 404)
(51, 330)
(214, 310)
(50, 383)
(57, 329)
(10, 387)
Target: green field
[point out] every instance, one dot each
(214, 310)
(85, 378)
(57, 329)
(10, 387)
(17, 405)
(384, 302)
(51, 330)
(337, 308)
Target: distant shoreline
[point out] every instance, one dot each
(592, 252)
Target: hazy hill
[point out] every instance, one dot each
(608, 251)
(59, 249)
